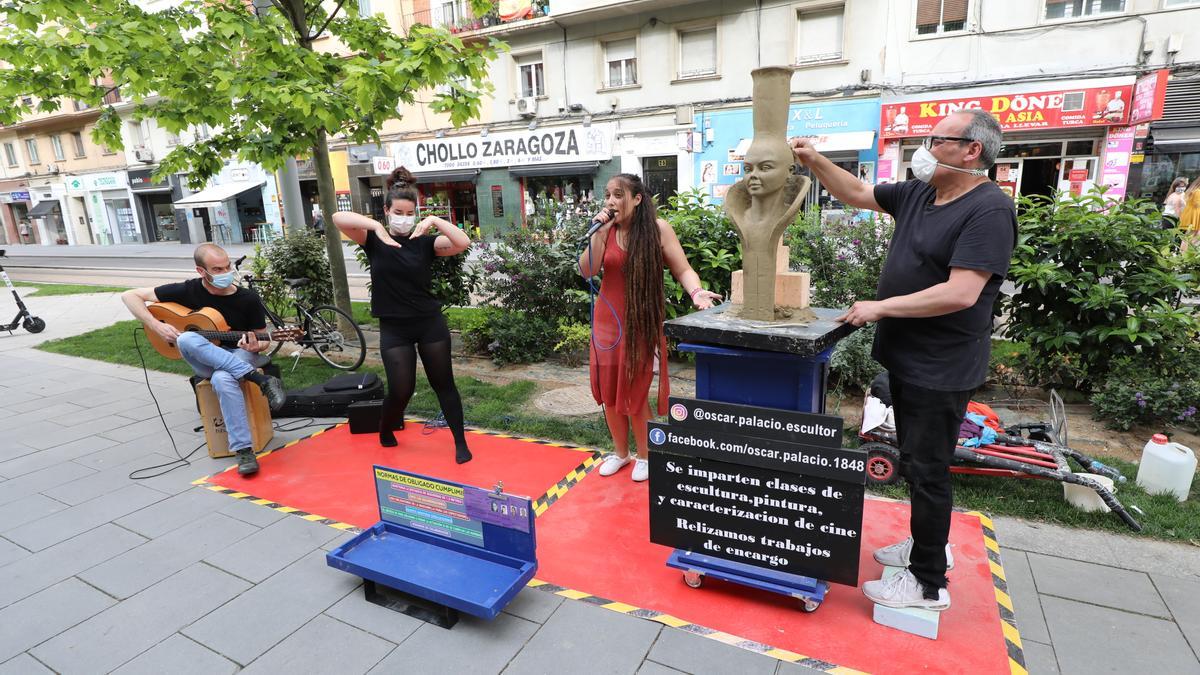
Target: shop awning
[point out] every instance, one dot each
(453, 176)
(43, 209)
(846, 141)
(212, 196)
(565, 169)
(1176, 139)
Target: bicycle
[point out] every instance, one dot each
(321, 328)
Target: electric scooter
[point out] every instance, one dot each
(24, 317)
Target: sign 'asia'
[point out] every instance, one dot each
(1067, 108)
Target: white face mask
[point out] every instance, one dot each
(1181, 189)
(924, 164)
(400, 225)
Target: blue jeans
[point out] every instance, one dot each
(224, 367)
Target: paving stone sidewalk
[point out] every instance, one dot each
(100, 573)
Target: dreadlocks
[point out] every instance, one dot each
(644, 294)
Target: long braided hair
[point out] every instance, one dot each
(644, 295)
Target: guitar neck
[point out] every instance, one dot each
(230, 335)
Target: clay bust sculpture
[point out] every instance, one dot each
(766, 200)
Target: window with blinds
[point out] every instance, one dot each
(1068, 9)
(819, 35)
(529, 71)
(620, 57)
(941, 16)
(697, 52)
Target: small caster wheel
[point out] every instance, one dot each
(693, 579)
(34, 324)
(808, 606)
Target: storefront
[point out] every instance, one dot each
(14, 210)
(154, 201)
(1172, 149)
(502, 179)
(1056, 138)
(661, 155)
(843, 130)
(239, 205)
(102, 200)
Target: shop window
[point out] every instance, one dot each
(1081, 148)
(10, 154)
(56, 146)
(77, 139)
(1053, 149)
(819, 35)
(697, 52)
(941, 16)
(1068, 9)
(529, 70)
(31, 151)
(620, 59)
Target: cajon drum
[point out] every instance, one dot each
(258, 412)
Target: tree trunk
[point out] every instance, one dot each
(333, 238)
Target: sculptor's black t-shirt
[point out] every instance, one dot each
(977, 231)
(402, 278)
(243, 310)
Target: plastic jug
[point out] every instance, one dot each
(1166, 468)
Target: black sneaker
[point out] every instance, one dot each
(247, 462)
(272, 388)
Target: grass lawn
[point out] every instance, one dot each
(1043, 500)
(67, 289)
(456, 317)
(486, 405)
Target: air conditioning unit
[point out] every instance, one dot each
(143, 154)
(51, 168)
(527, 106)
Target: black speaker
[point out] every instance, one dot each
(364, 417)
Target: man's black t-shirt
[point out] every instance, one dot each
(977, 231)
(402, 278)
(243, 310)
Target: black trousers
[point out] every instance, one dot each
(927, 423)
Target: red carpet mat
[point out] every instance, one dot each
(329, 474)
(593, 544)
(611, 557)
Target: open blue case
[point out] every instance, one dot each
(455, 545)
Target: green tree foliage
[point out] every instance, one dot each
(253, 77)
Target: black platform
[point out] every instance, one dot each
(714, 326)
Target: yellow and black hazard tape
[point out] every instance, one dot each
(569, 481)
(1008, 617)
(275, 506)
(695, 629)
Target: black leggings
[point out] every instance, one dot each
(401, 364)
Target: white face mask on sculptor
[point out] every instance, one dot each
(924, 164)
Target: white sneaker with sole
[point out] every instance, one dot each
(612, 464)
(641, 470)
(897, 555)
(903, 590)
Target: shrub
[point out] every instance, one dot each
(851, 366)
(710, 242)
(518, 337)
(1152, 394)
(844, 255)
(473, 327)
(295, 255)
(1099, 280)
(573, 341)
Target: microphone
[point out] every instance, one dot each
(597, 223)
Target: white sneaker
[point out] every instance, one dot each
(612, 464)
(897, 555)
(641, 470)
(903, 590)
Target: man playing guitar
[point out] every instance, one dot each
(225, 365)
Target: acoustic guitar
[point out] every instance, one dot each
(208, 323)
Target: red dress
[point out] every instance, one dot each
(607, 365)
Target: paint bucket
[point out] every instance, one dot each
(1086, 499)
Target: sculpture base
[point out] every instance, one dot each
(721, 326)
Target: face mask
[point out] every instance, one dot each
(221, 280)
(924, 164)
(1181, 190)
(400, 225)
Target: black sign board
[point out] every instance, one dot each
(823, 431)
(139, 179)
(497, 201)
(780, 522)
(833, 463)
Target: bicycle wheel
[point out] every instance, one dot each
(338, 349)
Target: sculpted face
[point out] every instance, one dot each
(767, 167)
